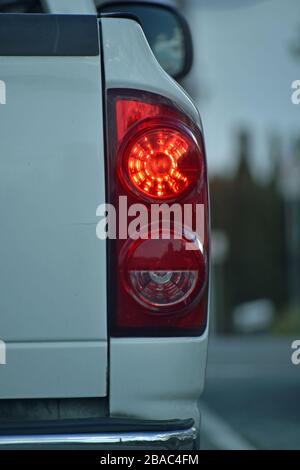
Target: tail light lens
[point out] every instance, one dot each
(161, 162)
(158, 284)
(161, 274)
(160, 289)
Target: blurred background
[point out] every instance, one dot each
(246, 56)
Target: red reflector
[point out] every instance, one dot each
(130, 111)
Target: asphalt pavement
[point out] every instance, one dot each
(252, 394)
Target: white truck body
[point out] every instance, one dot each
(53, 300)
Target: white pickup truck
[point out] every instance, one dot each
(104, 273)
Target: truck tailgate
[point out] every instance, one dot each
(52, 266)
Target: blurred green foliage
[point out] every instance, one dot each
(288, 321)
(252, 216)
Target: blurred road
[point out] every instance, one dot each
(252, 394)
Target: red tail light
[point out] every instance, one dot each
(161, 161)
(158, 284)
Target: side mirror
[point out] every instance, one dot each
(166, 30)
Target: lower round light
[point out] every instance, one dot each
(163, 288)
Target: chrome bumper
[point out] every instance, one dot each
(181, 439)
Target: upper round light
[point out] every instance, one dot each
(162, 163)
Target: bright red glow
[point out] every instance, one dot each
(156, 163)
(159, 158)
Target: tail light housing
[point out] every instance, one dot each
(158, 283)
